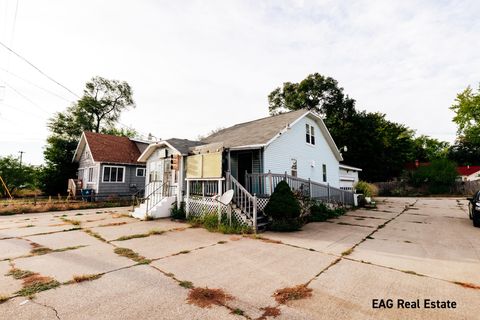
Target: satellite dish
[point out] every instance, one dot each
(226, 198)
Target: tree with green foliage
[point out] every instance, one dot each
(283, 208)
(466, 150)
(439, 176)
(98, 110)
(16, 175)
(467, 115)
(427, 149)
(379, 146)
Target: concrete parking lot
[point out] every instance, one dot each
(406, 248)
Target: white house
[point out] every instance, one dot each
(348, 176)
(249, 158)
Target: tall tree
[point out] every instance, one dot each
(428, 149)
(98, 110)
(467, 115)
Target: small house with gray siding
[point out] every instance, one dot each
(108, 164)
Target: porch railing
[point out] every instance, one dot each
(263, 185)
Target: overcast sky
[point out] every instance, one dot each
(198, 65)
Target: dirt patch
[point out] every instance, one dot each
(293, 293)
(235, 238)
(206, 297)
(269, 312)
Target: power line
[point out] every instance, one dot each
(14, 23)
(35, 85)
(26, 98)
(36, 68)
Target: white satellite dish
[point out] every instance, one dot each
(226, 198)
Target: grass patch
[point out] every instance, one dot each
(19, 274)
(72, 221)
(186, 284)
(141, 235)
(40, 251)
(347, 252)
(467, 285)
(210, 222)
(94, 234)
(293, 293)
(112, 224)
(68, 248)
(269, 312)
(17, 207)
(36, 283)
(129, 253)
(86, 277)
(206, 297)
(238, 311)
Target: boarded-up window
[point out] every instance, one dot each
(207, 165)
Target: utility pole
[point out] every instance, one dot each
(21, 156)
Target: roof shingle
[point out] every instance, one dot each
(112, 149)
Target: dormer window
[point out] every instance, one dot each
(310, 134)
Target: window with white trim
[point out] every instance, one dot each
(90, 175)
(140, 172)
(113, 174)
(309, 134)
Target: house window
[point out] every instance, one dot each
(140, 172)
(294, 167)
(113, 174)
(309, 134)
(80, 174)
(324, 169)
(90, 175)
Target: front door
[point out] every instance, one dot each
(244, 165)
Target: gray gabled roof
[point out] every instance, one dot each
(183, 145)
(257, 132)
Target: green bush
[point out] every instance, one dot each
(439, 176)
(284, 209)
(320, 212)
(178, 213)
(365, 188)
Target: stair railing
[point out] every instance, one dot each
(246, 202)
(158, 193)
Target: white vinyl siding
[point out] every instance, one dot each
(310, 158)
(113, 174)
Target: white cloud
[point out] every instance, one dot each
(198, 65)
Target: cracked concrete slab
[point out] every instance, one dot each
(62, 266)
(172, 242)
(23, 309)
(322, 236)
(23, 232)
(140, 292)
(12, 248)
(360, 221)
(64, 239)
(239, 267)
(351, 298)
(8, 285)
(115, 232)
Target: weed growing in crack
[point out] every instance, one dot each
(36, 283)
(206, 297)
(86, 277)
(3, 298)
(94, 234)
(186, 284)
(40, 251)
(347, 252)
(129, 253)
(19, 274)
(269, 312)
(238, 311)
(467, 285)
(293, 293)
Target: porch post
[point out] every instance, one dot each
(187, 200)
(270, 181)
(219, 204)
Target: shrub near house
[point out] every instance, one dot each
(284, 209)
